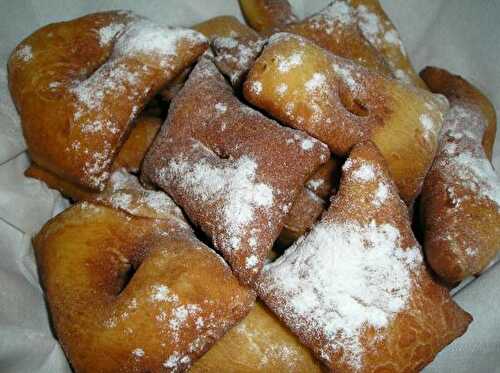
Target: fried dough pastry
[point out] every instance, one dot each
(355, 289)
(233, 171)
(336, 30)
(460, 201)
(78, 86)
(341, 103)
(235, 45)
(129, 158)
(310, 204)
(378, 29)
(458, 90)
(129, 294)
(259, 343)
(267, 15)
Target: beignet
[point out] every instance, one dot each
(355, 289)
(342, 103)
(460, 202)
(233, 171)
(78, 86)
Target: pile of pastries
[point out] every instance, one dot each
(247, 198)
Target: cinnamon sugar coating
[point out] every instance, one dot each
(233, 171)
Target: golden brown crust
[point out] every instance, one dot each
(234, 44)
(180, 299)
(457, 89)
(129, 158)
(234, 172)
(259, 343)
(311, 202)
(137, 144)
(336, 30)
(267, 15)
(342, 103)
(460, 203)
(78, 86)
(378, 29)
(421, 316)
(305, 211)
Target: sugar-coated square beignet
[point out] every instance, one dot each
(460, 201)
(341, 103)
(259, 343)
(134, 294)
(78, 86)
(235, 45)
(355, 289)
(233, 171)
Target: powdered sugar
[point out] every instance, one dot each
(108, 33)
(341, 279)
(285, 64)
(465, 159)
(317, 81)
(314, 184)
(235, 184)
(364, 173)
(381, 194)
(25, 53)
(138, 352)
(328, 20)
(220, 107)
(345, 73)
(256, 87)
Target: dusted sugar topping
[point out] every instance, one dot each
(236, 55)
(342, 279)
(335, 14)
(463, 158)
(93, 113)
(235, 185)
(25, 53)
(124, 192)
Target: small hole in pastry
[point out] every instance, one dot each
(352, 104)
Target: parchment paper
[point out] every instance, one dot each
(461, 35)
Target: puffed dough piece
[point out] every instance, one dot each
(259, 343)
(378, 29)
(335, 28)
(233, 171)
(235, 46)
(457, 89)
(460, 202)
(267, 15)
(129, 158)
(310, 204)
(78, 86)
(341, 103)
(355, 289)
(132, 294)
